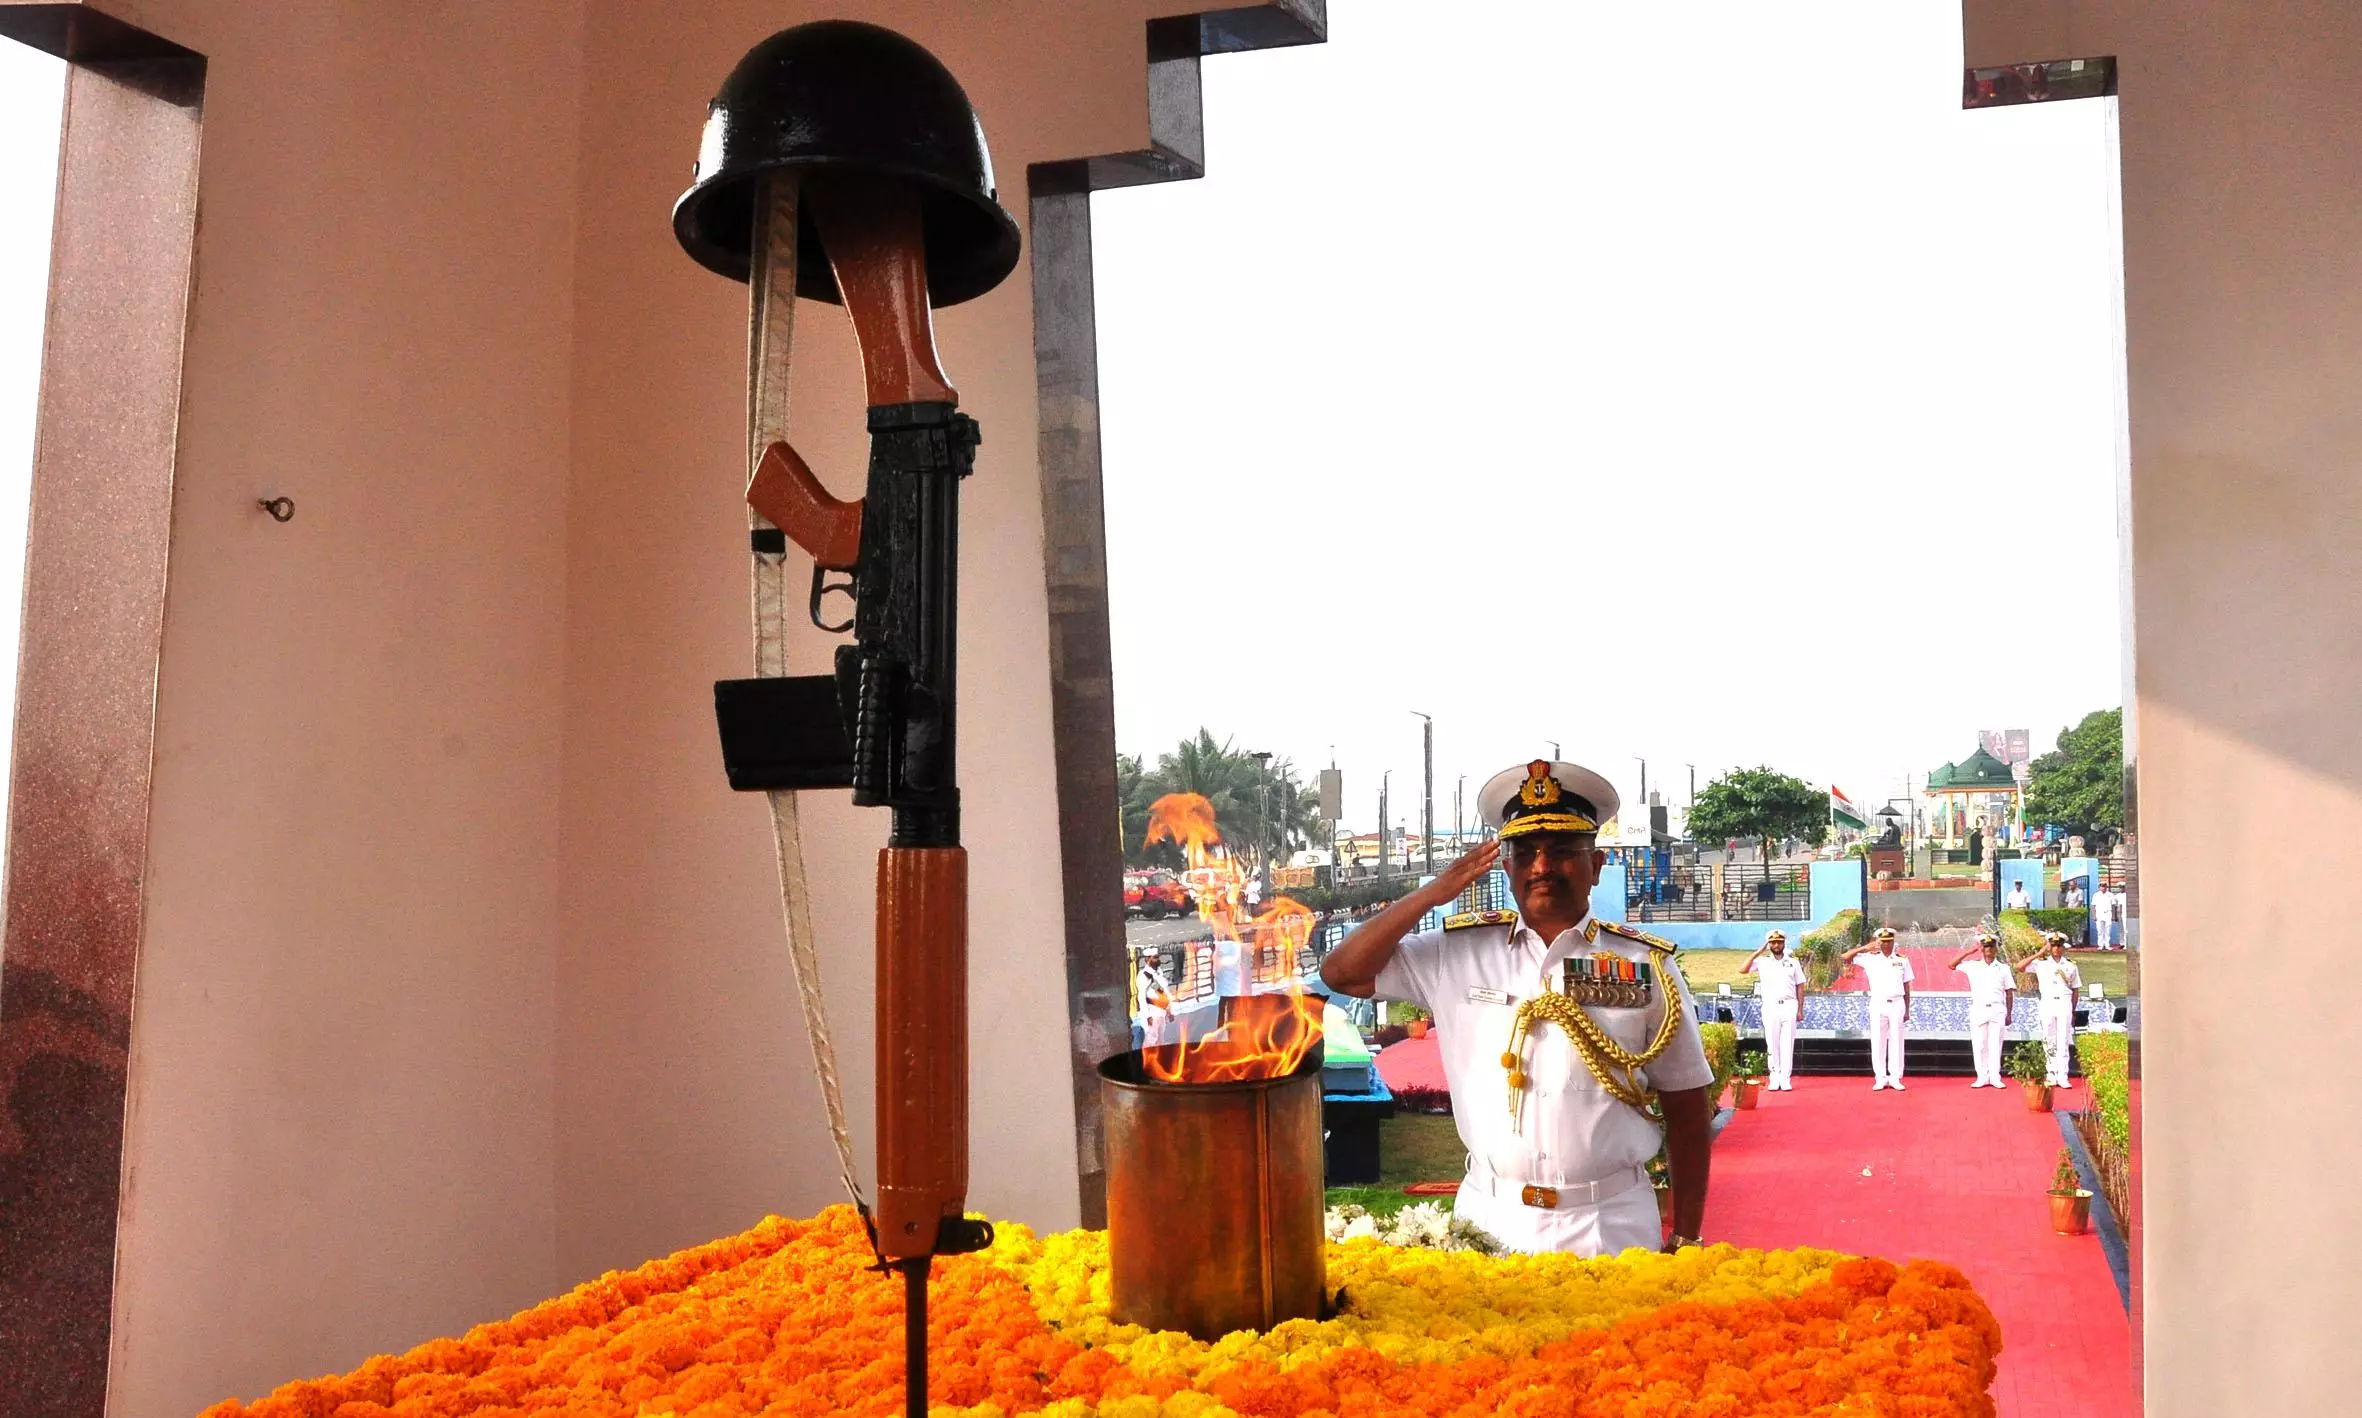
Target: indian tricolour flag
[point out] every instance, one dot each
(1843, 812)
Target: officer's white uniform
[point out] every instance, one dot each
(1777, 978)
(1989, 984)
(1155, 995)
(1570, 1175)
(2059, 980)
(1229, 970)
(1888, 974)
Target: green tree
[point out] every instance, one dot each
(1760, 802)
(2080, 784)
(1233, 781)
(1134, 791)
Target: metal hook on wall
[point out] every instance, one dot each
(282, 509)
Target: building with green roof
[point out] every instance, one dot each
(1978, 792)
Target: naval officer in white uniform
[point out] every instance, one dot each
(1889, 973)
(1779, 984)
(1992, 998)
(2059, 980)
(1561, 1103)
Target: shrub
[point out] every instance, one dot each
(2019, 938)
(2074, 921)
(2107, 1067)
(2107, 1128)
(1819, 948)
(2027, 1063)
(1722, 1054)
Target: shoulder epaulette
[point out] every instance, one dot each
(1653, 942)
(1479, 918)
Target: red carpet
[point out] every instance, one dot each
(1931, 969)
(1955, 1174)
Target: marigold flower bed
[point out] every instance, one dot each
(787, 1319)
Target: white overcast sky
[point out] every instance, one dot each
(1696, 383)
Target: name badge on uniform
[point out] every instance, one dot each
(1478, 994)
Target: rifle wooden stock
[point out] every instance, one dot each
(870, 227)
(791, 499)
(922, 940)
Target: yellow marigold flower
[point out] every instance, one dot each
(788, 1320)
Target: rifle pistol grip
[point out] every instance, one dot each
(785, 492)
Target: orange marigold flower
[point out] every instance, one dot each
(789, 1319)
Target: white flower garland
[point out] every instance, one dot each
(1422, 1225)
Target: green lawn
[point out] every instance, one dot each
(1707, 969)
(2104, 968)
(1412, 1147)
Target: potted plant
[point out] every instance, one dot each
(1750, 1079)
(2070, 1204)
(2029, 1067)
(1418, 1023)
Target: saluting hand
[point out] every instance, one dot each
(1460, 875)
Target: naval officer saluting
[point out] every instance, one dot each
(1779, 984)
(1889, 974)
(1570, 1044)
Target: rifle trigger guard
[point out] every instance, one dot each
(822, 586)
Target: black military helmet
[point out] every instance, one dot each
(857, 98)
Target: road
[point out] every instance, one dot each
(1172, 930)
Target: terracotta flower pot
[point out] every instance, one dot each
(1418, 1028)
(1745, 1091)
(2070, 1212)
(2037, 1097)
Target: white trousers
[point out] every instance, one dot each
(1886, 1040)
(1779, 1039)
(1605, 1228)
(1986, 1022)
(2058, 1036)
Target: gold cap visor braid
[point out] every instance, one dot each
(1546, 822)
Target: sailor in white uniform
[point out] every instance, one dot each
(1570, 1043)
(1154, 996)
(1779, 984)
(1889, 973)
(2059, 980)
(1992, 997)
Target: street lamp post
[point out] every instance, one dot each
(1385, 780)
(1263, 816)
(1427, 792)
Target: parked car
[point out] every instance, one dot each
(1154, 895)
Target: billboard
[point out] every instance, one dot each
(2011, 746)
(1332, 795)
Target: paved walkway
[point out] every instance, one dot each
(1950, 1173)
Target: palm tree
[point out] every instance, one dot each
(1234, 782)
